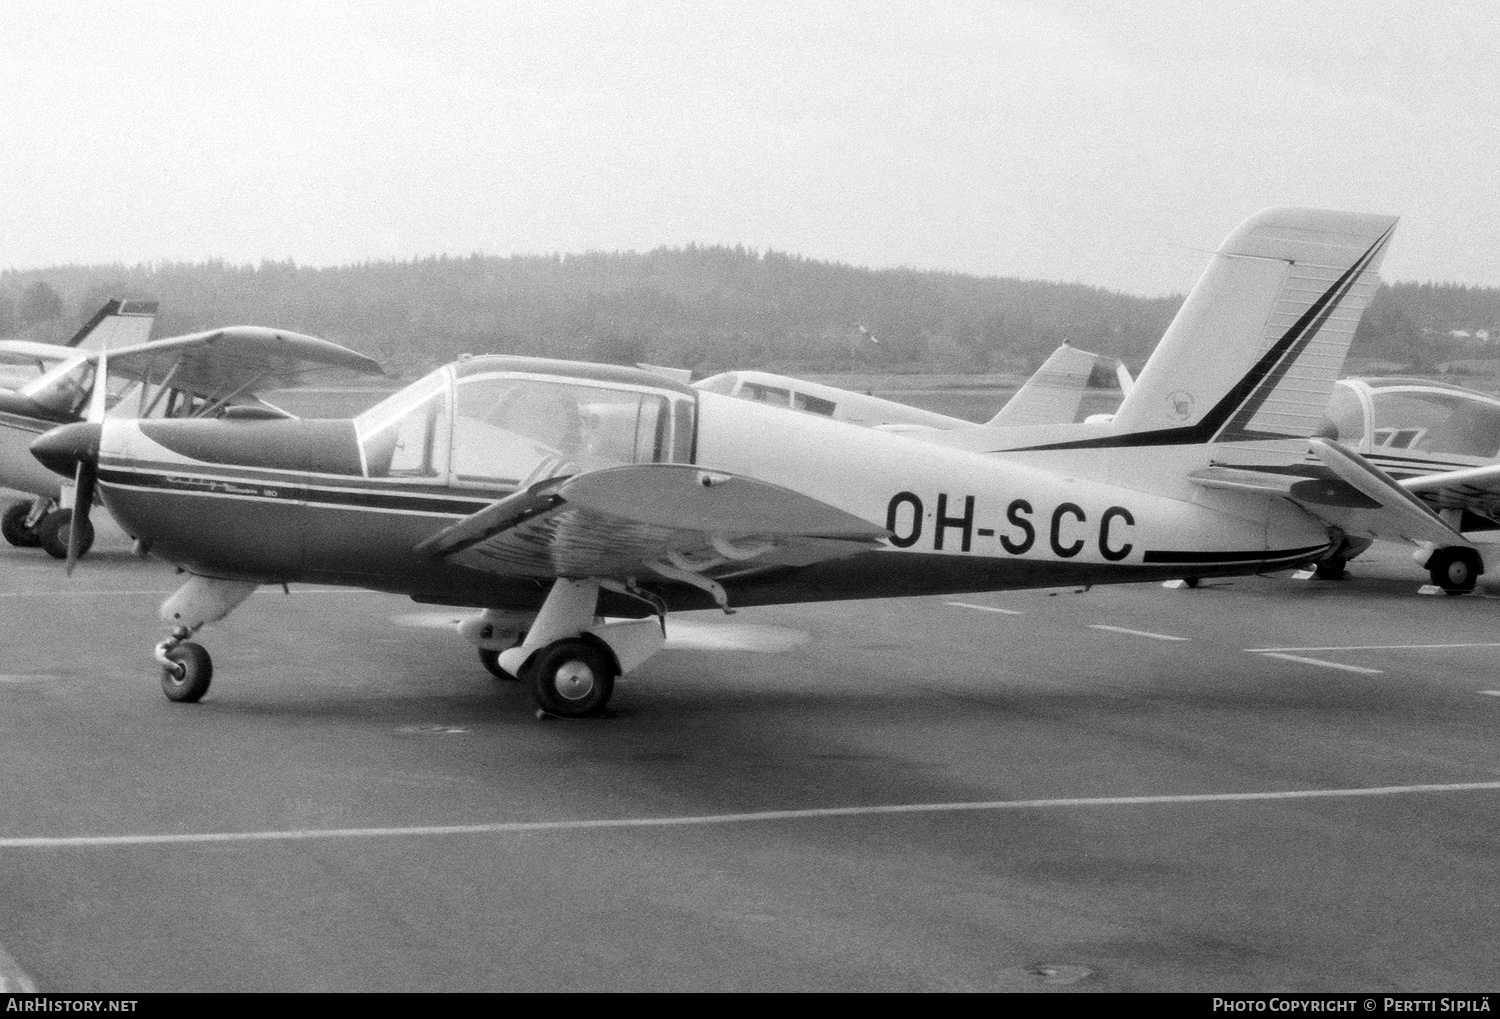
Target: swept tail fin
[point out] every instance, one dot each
(1257, 346)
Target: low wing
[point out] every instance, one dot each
(650, 522)
(1474, 489)
(1350, 493)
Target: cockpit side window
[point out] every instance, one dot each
(518, 430)
(1440, 423)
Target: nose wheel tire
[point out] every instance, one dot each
(189, 680)
(52, 533)
(571, 678)
(1455, 570)
(13, 526)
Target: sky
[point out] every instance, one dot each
(1108, 144)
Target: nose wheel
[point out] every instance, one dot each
(186, 669)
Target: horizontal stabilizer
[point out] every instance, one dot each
(1402, 515)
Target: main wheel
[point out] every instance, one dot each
(571, 678)
(491, 661)
(1455, 570)
(53, 531)
(189, 681)
(13, 526)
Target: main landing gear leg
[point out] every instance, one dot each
(570, 658)
(186, 668)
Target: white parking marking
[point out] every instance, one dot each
(983, 608)
(1491, 693)
(76, 594)
(163, 594)
(1319, 661)
(1368, 647)
(812, 814)
(1136, 633)
(13, 979)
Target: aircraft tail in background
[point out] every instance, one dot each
(118, 324)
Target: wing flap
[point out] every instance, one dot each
(1401, 515)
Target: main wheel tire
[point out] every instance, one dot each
(63, 532)
(572, 678)
(1455, 570)
(197, 671)
(491, 661)
(52, 533)
(13, 526)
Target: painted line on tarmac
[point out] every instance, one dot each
(983, 608)
(1368, 647)
(1318, 661)
(13, 979)
(1491, 693)
(163, 594)
(76, 594)
(1136, 633)
(692, 820)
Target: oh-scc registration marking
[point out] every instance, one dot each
(1068, 527)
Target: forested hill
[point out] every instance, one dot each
(705, 308)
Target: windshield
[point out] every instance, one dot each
(406, 434)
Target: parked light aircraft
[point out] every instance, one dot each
(200, 374)
(1441, 444)
(1057, 392)
(572, 502)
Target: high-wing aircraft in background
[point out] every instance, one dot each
(213, 373)
(572, 502)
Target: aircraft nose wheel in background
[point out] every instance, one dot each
(13, 526)
(187, 675)
(571, 678)
(1455, 570)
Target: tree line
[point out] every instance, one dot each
(702, 307)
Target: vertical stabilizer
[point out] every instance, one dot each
(1055, 392)
(1257, 346)
(118, 324)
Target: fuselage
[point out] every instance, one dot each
(347, 502)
